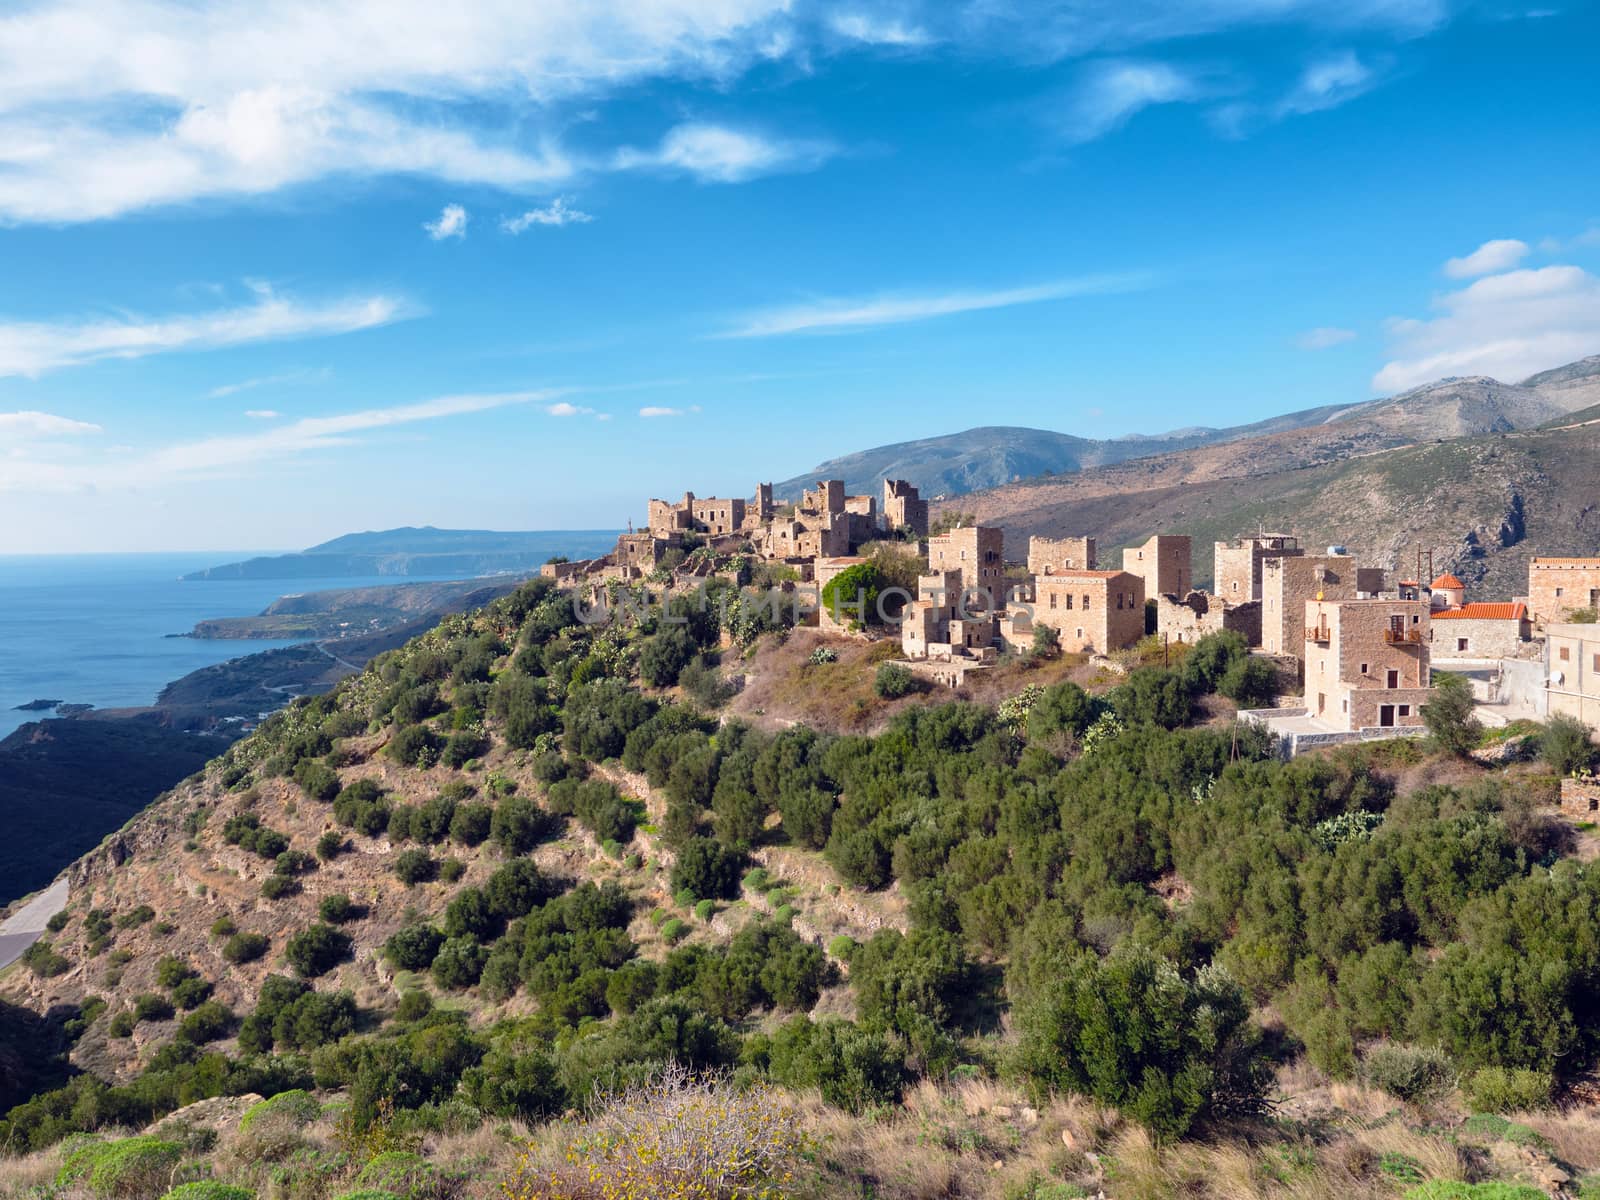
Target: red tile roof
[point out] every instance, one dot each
(1484, 612)
(1448, 581)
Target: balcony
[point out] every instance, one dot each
(1403, 637)
(1318, 634)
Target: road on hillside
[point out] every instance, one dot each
(24, 928)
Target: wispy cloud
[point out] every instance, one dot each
(562, 408)
(32, 348)
(1508, 326)
(1501, 254)
(721, 154)
(1327, 83)
(657, 410)
(556, 213)
(1109, 94)
(876, 29)
(840, 315)
(450, 223)
(28, 426)
(262, 414)
(317, 375)
(212, 456)
(1324, 337)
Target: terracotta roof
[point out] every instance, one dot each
(1408, 583)
(1592, 562)
(1447, 581)
(1483, 612)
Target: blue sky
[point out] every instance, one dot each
(274, 271)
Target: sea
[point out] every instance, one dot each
(93, 628)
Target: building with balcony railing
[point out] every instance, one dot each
(1367, 662)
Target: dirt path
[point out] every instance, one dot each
(25, 927)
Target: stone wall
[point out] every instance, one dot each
(1236, 575)
(1091, 610)
(1287, 583)
(978, 552)
(1557, 586)
(1580, 798)
(1468, 637)
(1049, 556)
(903, 508)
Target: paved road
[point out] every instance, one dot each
(19, 932)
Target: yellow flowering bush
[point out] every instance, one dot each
(675, 1136)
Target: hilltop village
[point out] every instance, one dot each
(1361, 639)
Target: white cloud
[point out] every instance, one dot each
(26, 426)
(555, 213)
(719, 154)
(1327, 83)
(1110, 94)
(563, 409)
(262, 414)
(210, 457)
(878, 30)
(653, 410)
(32, 348)
(1508, 326)
(1323, 337)
(833, 316)
(247, 385)
(1501, 254)
(451, 223)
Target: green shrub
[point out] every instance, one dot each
(129, 1169)
(414, 866)
(191, 993)
(207, 1023)
(316, 950)
(336, 908)
(893, 681)
(403, 1174)
(209, 1189)
(1565, 746)
(414, 947)
(276, 887)
(705, 910)
(330, 845)
(148, 1006)
(1414, 1074)
(842, 947)
(674, 930)
(42, 959)
(122, 1024)
(452, 869)
(223, 926)
(1501, 1089)
(245, 947)
(296, 1107)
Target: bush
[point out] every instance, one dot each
(414, 947)
(673, 930)
(1565, 746)
(130, 1168)
(245, 947)
(854, 1069)
(452, 869)
(1132, 1032)
(223, 926)
(42, 959)
(705, 910)
(1414, 1074)
(471, 823)
(414, 866)
(276, 887)
(893, 681)
(209, 1189)
(403, 1174)
(330, 845)
(519, 824)
(207, 1023)
(337, 908)
(1448, 715)
(708, 869)
(414, 746)
(1500, 1090)
(317, 950)
(122, 1025)
(665, 655)
(148, 1006)
(191, 992)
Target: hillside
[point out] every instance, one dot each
(994, 456)
(1482, 504)
(521, 859)
(441, 553)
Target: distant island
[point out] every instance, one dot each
(353, 612)
(420, 550)
(36, 706)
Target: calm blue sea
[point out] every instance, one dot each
(91, 629)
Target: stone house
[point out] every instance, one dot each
(692, 514)
(1046, 556)
(1200, 613)
(1481, 630)
(1091, 610)
(1572, 671)
(1236, 576)
(1367, 662)
(1287, 583)
(1163, 563)
(1557, 587)
(938, 626)
(978, 552)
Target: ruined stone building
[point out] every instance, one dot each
(712, 516)
(1572, 671)
(1558, 587)
(1163, 563)
(1367, 661)
(1200, 613)
(1091, 610)
(1236, 576)
(903, 508)
(939, 627)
